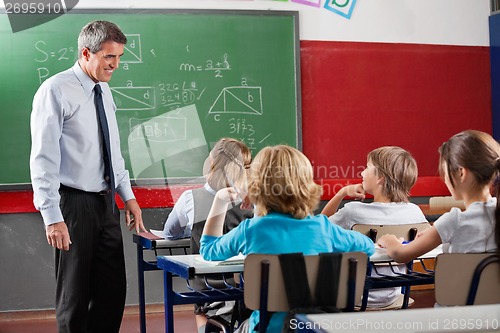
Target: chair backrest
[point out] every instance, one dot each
(454, 278)
(407, 231)
(277, 298)
(445, 203)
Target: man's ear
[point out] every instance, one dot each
(381, 180)
(86, 53)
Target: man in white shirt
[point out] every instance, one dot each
(71, 190)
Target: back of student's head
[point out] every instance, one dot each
(477, 152)
(281, 180)
(473, 150)
(228, 162)
(399, 169)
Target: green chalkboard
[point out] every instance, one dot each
(186, 79)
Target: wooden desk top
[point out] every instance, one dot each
(427, 210)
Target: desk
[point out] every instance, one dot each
(411, 278)
(144, 243)
(477, 318)
(186, 267)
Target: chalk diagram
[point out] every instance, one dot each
(133, 50)
(134, 98)
(150, 139)
(241, 100)
(158, 129)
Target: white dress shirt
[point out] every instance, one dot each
(66, 145)
(180, 220)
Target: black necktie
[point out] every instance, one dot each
(108, 167)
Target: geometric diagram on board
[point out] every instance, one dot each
(247, 100)
(149, 141)
(133, 51)
(158, 129)
(134, 98)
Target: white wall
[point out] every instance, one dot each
(448, 22)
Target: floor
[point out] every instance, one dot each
(183, 319)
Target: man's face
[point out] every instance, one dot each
(100, 65)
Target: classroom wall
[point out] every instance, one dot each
(398, 72)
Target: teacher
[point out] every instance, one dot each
(76, 169)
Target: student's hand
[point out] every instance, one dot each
(246, 204)
(58, 236)
(133, 216)
(227, 195)
(355, 191)
(388, 241)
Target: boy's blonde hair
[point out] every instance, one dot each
(281, 180)
(229, 161)
(399, 169)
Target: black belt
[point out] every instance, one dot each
(72, 189)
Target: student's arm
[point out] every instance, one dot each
(179, 217)
(215, 220)
(404, 253)
(355, 191)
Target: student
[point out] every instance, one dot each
(469, 163)
(226, 165)
(389, 175)
(282, 189)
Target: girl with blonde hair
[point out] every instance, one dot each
(282, 189)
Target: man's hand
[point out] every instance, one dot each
(133, 216)
(58, 236)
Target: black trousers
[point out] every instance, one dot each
(90, 277)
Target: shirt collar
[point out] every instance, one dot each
(209, 189)
(87, 83)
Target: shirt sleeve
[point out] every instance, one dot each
(341, 217)
(122, 176)
(225, 246)
(351, 241)
(45, 159)
(446, 224)
(179, 221)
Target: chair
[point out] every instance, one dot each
(467, 278)
(406, 231)
(264, 287)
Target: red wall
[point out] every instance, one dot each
(360, 96)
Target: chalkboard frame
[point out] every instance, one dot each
(293, 14)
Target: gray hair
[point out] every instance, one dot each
(95, 33)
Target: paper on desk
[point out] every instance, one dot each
(236, 260)
(158, 233)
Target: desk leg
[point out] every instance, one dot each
(168, 300)
(140, 279)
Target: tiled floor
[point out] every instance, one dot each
(183, 319)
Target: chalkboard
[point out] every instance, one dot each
(187, 78)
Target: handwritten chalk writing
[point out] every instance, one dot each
(175, 95)
(210, 65)
(239, 126)
(59, 55)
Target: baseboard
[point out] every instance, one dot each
(50, 313)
